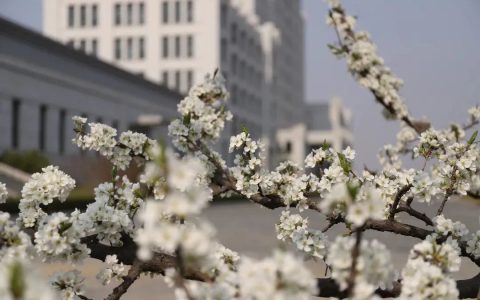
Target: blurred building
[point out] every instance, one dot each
(43, 84)
(257, 44)
(328, 123)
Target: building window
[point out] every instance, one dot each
(165, 78)
(224, 49)
(83, 15)
(165, 12)
(118, 14)
(129, 48)
(190, 46)
(242, 39)
(233, 33)
(165, 46)
(141, 13)
(118, 49)
(177, 11)
(233, 66)
(94, 15)
(129, 13)
(15, 123)
(141, 48)
(42, 128)
(177, 80)
(71, 16)
(190, 11)
(94, 47)
(177, 46)
(61, 131)
(82, 45)
(223, 14)
(189, 79)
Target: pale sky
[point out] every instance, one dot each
(434, 45)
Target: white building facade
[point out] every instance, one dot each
(257, 45)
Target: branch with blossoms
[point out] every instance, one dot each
(155, 225)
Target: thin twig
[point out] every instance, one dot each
(414, 213)
(401, 192)
(353, 268)
(444, 201)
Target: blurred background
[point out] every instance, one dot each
(127, 63)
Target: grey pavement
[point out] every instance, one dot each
(249, 229)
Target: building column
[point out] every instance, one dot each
(5, 123)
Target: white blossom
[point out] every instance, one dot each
(447, 227)
(281, 277)
(114, 270)
(70, 284)
(43, 188)
(294, 229)
(422, 280)
(473, 245)
(374, 264)
(3, 193)
(58, 238)
(445, 256)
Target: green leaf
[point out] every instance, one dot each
(17, 281)
(344, 163)
(325, 145)
(245, 129)
(472, 138)
(353, 190)
(186, 120)
(64, 227)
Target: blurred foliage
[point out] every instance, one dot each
(30, 161)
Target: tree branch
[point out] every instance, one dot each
(128, 280)
(414, 213)
(398, 197)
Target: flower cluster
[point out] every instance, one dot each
(426, 274)
(70, 284)
(102, 138)
(281, 277)
(339, 170)
(474, 113)
(374, 266)
(294, 228)
(287, 183)
(422, 280)
(392, 180)
(357, 202)
(366, 66)
(424, 187)
(446, 227)
(456, 166)
(112, 212)
(3, 193)
(445, 256)
(203, 114)
(42, 189)
(58, 238)
(114, 270)
(431, 143)
(247, 163)
(168, 222)
(473, 245)
(15, 243)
